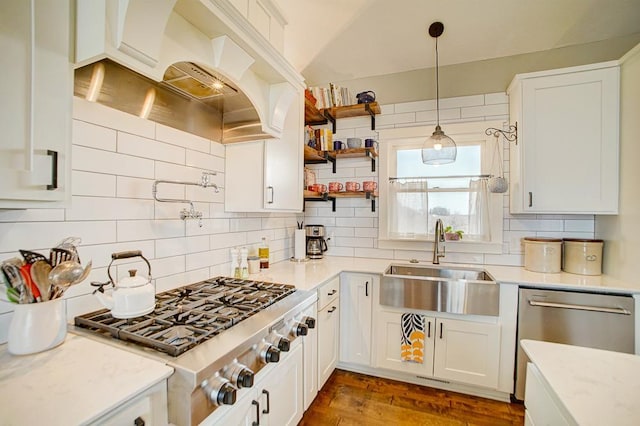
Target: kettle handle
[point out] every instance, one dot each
(126, 255)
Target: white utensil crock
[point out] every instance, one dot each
(36, 327)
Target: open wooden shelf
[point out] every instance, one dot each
(332, 196)
(313, 116)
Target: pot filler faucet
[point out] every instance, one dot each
(439, 238)
(192, 213)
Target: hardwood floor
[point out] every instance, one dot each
(356, 399)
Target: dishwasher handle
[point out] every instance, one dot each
(619, 311)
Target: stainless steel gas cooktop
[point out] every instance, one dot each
(186, 316)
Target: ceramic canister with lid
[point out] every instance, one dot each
(582, 256)
(542, 254)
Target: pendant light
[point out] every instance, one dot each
(439, 148)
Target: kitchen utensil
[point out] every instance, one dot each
(85, 274)
(25, 270)
(132, 296)
(12, 274)
(64, 275)
(31, 256)
(13, 295)
(40, 276)
(58, 255)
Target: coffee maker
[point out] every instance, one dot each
(316, 244)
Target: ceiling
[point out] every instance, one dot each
(338, 40)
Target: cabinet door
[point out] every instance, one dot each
(284, 164)
(36, 94)
(328, 340)
(281, 399)
(244, 176)
(467, 352)
(388, 341)
(569, 139)
(243, 413)
(310, 360)
(355, 322)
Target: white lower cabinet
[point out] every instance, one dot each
(541, 408)
(150, 407)
(328, 329)
(356, 297)
(275, 399)
(461, 351)
(310, 359)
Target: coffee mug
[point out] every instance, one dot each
(337, 145)
(370, 143)
(369, 185)
(352, 186)
(318, 187)
(335, 186)
(354, 142)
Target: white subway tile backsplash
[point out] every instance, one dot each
(93, 184)
(230, 239)
(485, 111)
(407, 117)
(342, 232)
(132, 230)
(100, 254)
(171, 247)
(353, 242)
(462, 101)
(496, 98)
(587, 226)
(431, 116)
(44, 235)
(183, 139)
(536, 225)
(149, 148)
(199, 260)
(245, 224)
(94, 160)
(168, 266)
(354, 222)
(373, 253)
(34, 215)
(365, 232)
(92, 136)
(205, 161)
(217, 149)
(340, 251)
(127, 187)
(414, 106)
(99, 208)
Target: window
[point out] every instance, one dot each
(414, 195)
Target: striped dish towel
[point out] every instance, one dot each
(412, 345)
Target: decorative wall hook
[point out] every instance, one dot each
(511, 135)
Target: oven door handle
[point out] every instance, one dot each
(619, 311)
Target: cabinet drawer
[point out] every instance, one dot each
(328, 292)
(541, 406)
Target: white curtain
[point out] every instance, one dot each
(408, 208)
(479, 221)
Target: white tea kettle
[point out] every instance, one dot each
(132, 296)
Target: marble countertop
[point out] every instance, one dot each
(74, 383)
(308, 275)
(595, 387)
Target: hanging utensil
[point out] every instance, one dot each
(64, 275)
(40, 276)
(25, 270)
(31, 256)
(58, 255)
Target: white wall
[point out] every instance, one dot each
(353, 228)
(116, 157)
(622, 232)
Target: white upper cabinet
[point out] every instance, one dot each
(566, 157)
(36, 92)
(267, 175)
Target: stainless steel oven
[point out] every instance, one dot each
(602, 321)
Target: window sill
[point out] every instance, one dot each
(452, 246)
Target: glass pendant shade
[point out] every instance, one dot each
(439, 149)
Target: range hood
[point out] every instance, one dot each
(189, 98)
(197, 66)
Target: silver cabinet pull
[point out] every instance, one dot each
(619, 311)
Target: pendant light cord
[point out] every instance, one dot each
(437, 86)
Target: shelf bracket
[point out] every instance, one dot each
(330, 118)
(333, 162)
(368, 196)
(372, 114)
(369, 154)
(325, 197)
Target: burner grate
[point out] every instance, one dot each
(189, 315)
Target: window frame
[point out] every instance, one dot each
(391, 139)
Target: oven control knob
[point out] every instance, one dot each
(219, 390)
(300, 329)
(310, 321)
(239, 375)
(269, 353)
(280, 342)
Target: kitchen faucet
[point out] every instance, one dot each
(439, 238)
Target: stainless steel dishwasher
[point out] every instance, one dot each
(594, 320)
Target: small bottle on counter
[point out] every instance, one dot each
(263, 254)
(235, 265)
(244, 265)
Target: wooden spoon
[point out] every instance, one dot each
(40, 275)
